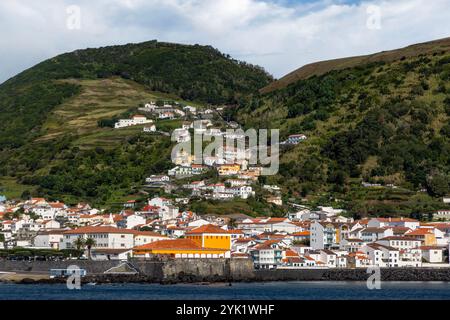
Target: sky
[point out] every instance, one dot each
(279, 35)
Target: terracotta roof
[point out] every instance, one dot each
(57, 205)
(396, 219)
(397, 238)
(176, 244)
(147, 233)
(419, 232)
(302, 234)
(208, 228)
(431, 248)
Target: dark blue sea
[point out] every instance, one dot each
(237, 291)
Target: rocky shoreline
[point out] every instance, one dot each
(400, 274)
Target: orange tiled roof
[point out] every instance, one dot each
(302, 234)
(419, 232)
(208, 228)
(176, 244)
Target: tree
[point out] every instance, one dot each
(89, 243)
(79, 243)
(438, 185)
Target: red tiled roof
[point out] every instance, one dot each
(208, 228)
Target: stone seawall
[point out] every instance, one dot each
(171, 271)
(397, 274)
(217, 270)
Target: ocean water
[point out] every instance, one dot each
(237, 291)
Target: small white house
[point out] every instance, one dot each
(150, 129)
(134, 121)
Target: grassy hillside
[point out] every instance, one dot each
(194, 73)
(72, 158)
(51, 143)
(384, 123)
(323, 67)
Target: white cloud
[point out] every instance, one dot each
(278, 35)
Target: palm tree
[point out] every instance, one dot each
(79, 244)
(89, 244)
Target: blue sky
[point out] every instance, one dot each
(280, 35)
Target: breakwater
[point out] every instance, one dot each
(214, 270)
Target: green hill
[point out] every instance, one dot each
(194, 73)
(50, 141)
(323, 67)
(383, 122)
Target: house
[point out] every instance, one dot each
(186, 171)
(400, 242)
(111, 254)
(131, 221)
(292, 259)
(351, 245)
(358, 259)
(373, 234)
(144, 237)
(166, 115)
(394, 222)
(425, 235)
(243, 192)
(180, 248)
(329, 258)
(48, 239)
(228, 169)
(302, 236)
(150, 129)
(442, 214)
(327, 234)
(242, 244)
(104, 237)
(267, 255)
(382, 256)
(210, 236)
(190, 109)
(159, 202)
(134, 121)
(276, 200)
(181, 135)
(157, 179)
(433, 254)
(295, 139)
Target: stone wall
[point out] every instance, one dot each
(186, 270)
(220, 270)
(397, 274)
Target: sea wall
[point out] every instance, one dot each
(387, 274)
(179, 270)
(218, 270)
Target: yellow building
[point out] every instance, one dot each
(179, 248)
(210, 236)
(203, 242)
(426, 235)
(228, 169)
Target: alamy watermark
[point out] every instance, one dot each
(73, 21)
(74, 279)
(374, 280)
(374, 17)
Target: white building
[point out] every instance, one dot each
(134, 121)
(149, 129)
(382, 256)
(48, 239)
(104, 237)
